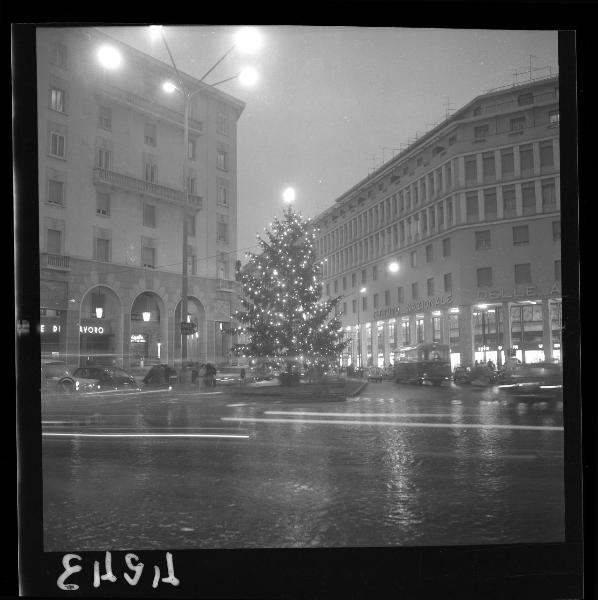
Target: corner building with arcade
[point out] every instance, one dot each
(116, 187)
(470, 214)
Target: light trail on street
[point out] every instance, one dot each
(143, 435)
(396, 423)
(359, 414)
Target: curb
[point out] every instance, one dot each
(358, 390)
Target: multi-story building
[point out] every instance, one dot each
(471, 214)
(116, 186)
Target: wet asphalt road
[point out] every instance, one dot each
(397, 465)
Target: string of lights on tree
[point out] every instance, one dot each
(283, 313)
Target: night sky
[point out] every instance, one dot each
(332, 103)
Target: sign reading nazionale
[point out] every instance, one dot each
(385, 313)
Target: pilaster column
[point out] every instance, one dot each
(126, 341)
(465, 336)
(460, 171)
(497, 165)
(71, 338)
(169, 341)
(386, 343)
(462, 209)
(518, 200)
(481, 207)
(516, 162)
(445, 331)
(413, 330)
(479, 168)
(499, 202)
(547, 330)
(507, 342)
(428, 332)
(538, 193)
(536, 158)
(374, 343)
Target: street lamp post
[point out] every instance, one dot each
(250, 41)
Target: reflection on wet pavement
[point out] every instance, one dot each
(398, 466)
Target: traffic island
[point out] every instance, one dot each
(320, 391)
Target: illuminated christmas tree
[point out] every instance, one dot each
(283, 313)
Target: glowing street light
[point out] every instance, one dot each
(248, 40)
(248, 76)
(109, 57)
(155, 32)
(169, 87)
(288, 195)
(393, 267)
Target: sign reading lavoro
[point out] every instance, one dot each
(97, 329)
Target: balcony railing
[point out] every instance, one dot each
(147, 106)
(141, 186)
(58, 262)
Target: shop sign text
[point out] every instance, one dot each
(97, 329)
(429, 303)
(529, 290)
(384, 313)
(49, 328)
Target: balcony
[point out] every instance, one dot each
(112, 93)
(56, 262)
(140, 186)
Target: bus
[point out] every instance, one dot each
(423, 363)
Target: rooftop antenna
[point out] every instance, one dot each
(393, 150)
(373, 158)
(530, 65)
(447, 107)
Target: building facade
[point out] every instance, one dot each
(116, 187)
(471, 214)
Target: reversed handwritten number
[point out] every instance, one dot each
(108, 576)
(68, 571)
(171, 577)
(133, 564)
(137, 568)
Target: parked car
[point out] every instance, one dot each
(56, 377)
(425, 363)
(461, 375)
(105, 378)
(161, 376)
(231, 376)
(375, 374)
(536, 380)
(476, 375)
